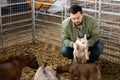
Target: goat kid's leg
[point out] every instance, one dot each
(75, 58)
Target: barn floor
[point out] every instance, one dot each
(51, 54)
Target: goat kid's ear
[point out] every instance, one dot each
(85, 36)
(77, 37)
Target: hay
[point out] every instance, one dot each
(51, 54)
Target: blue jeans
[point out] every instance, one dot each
(95, 51)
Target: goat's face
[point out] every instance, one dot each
(61, 69)
(32, 61)
(83, 42)
(45, 73)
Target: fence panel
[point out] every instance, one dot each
(110, 29)
(48, 18)
(16, 26)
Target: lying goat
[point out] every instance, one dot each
(81, 50)
(11, 68)
(45, 73)
(81, 71)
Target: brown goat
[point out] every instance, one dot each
(11, 68)
(81, 71)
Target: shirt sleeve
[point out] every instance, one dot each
(94, 31)
(66, 36)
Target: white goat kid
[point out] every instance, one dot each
(45, 73)
(80, 52)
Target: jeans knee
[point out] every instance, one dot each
(67, 52)
(100, 46)
(63, 51)
(97, 48)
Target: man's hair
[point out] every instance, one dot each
(75, 8)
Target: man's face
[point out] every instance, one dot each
(76, 18)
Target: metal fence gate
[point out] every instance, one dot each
(15, 23)
(23, 21)
(48, 20)
(108, 14)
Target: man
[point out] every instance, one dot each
(79, 24)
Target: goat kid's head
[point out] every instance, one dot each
(82, 42)
(31, 59)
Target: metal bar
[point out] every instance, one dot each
(17, 33)
(110, 26)
(33, 20)
(48, 14)
(16, 38)
(99, 14)
(110, 38)
(65, 10)
(87, 1)
(101, 2)
(117, 4)
(48, 32)
(108, 54)
(47, 43)
(110, 13)
(15, 14)
(14, 4)
(112, 49)
(105, 36)
(17, 22)
(112, 42)
(62, 17)
(115, 22)
(1, 32)
(116, 61)
(114, 35)
(102, 12)
(0, 20)
(15, 44)
(17, 27)
(54, 28)
(47, 21)
(95, 9)
(46, 3)
(50, 38)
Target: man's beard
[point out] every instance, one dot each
(77, 24)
